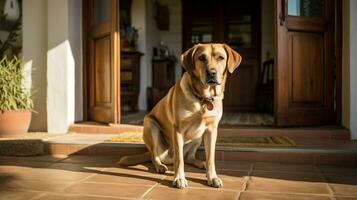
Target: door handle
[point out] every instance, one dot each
(282, 14)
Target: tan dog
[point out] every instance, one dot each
(191, 110)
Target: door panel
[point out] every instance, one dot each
(304, 87)
(307, 68)
(102, 71)
(103, 63)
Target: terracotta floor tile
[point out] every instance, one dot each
(43, 158)
(12, 168)
(285, 186)
(105, 160)
(36, 185)
(53, 174)
(344, 189)
(17, 194)
(309, 177)
(104, 189)
(278, 196)
(164, 193)
(74, 197)
(346, 198)
(112, 177)
(139, 171)
(265, 166)
(87, 168)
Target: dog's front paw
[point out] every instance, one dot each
(180, 183)
(215, 182)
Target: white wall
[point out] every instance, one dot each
(60, 68)
(138, 11)
(34, 53)
(173, 37)
(142, 18)
(64, 62)
(349, 67)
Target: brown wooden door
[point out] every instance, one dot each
(103, 61)
(305, 62)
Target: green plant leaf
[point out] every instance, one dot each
(13, 96)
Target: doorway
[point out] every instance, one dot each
(286, 77)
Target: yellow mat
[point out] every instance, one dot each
(269, 141)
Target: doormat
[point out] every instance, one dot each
(268, 141)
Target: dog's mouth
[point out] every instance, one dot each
(212, 81)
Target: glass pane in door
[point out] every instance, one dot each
(240, 31)
(306, 8)
(102, 11)
(202, 29)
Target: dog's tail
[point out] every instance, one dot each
(134, 159)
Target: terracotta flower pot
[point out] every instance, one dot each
(14, 122)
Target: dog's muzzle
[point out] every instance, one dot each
(211, 77)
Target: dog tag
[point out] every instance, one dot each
(210, 106)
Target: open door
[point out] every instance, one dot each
(305, 62)
(103, 60)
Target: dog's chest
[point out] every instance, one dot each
(195, 123)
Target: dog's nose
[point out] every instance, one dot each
(211, 73)
(211, 76)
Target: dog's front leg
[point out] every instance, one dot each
(210, 138)
(179, 179)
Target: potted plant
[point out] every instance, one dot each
(15, 100)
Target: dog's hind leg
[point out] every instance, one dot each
(190, 153)
(152, 139)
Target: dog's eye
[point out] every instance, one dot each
(202, 58)
(220, 58)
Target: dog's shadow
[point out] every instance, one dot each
(165, 180)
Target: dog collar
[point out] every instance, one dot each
(204, 99)
(208, 101)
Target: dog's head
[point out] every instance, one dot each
(209, 62)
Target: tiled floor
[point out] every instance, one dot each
(94, 177)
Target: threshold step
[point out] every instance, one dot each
(314, 133)
(307, 152)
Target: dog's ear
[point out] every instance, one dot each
(187, 59)
(233, 58)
